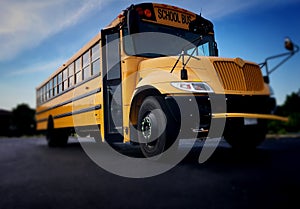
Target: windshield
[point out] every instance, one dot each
(153, 40)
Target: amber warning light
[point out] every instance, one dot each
(147, 12)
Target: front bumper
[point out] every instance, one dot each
(194, 112)
(249, 115)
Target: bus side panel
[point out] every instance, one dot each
(83, 102)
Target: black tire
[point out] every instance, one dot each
(245, 137)
(56, 137)
(157, 129)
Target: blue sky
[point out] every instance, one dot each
(37, 36)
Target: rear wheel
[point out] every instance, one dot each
(56, 137)
(157, 129)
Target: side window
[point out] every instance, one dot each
(43, 90)
(59, 83)
(71, 75)
(46, 92)
(96, 59)
(41, 94)
(50, 88)
(65, 79)
(86, 59)
(78, 76)
(55, 86)
(38, 96)
(113, 57)
(86, 67)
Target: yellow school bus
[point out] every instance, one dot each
(135, 81)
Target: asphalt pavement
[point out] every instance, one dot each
(35, 176)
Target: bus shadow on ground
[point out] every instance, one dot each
(223, 155)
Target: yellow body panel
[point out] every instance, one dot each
(156, 72)
(85, 96)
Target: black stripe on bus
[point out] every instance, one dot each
(42, 120)
(71, 100)
(97, 107)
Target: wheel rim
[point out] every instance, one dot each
(146, 128)
(147, 132)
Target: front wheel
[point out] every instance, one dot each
(157, 129)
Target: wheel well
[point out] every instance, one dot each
(138, 100)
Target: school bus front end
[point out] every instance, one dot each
(190, 86)
(221, 88)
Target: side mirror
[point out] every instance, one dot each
(288, 44)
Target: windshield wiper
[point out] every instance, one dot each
(183, 70)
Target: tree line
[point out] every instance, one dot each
(18, 122)
(291, 109)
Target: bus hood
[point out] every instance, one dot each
(223, 75)
(164, 65)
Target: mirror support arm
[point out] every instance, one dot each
(288, 56)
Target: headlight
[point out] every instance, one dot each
(199, 87)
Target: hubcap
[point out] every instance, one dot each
(146, 128)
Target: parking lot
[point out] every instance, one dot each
(35, 176)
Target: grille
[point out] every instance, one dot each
(234, 77)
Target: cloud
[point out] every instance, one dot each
(26, 23)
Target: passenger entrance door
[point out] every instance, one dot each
(112, 88)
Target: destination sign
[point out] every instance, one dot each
(172, 17)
